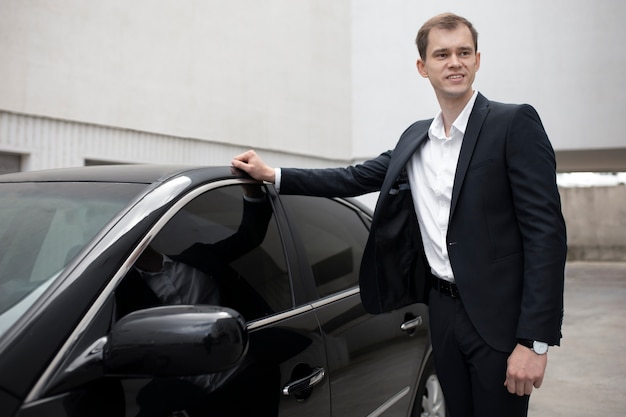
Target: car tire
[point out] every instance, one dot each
(429, 401)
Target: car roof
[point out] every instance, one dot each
(143, 174)
(138, 173)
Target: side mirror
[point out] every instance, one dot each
(175, 341)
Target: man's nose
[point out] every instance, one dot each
(454, 61)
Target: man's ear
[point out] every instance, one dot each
(421, 68)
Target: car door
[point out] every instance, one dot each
(285, 342)
(225, 247)
(374, 360)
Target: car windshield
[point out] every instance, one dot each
(43, 226)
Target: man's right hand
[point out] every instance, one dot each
(251, 163)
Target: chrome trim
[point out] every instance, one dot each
(162, 195)
(387, 404)
(302, 309)
(155, 198)
(278, 317)
(336, 297)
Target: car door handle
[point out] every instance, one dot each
(411, 325)
(302, 384)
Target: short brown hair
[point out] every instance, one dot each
(446, 21)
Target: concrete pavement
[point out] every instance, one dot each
(586, 375)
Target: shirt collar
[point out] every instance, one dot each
(436, 128)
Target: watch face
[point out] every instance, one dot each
(540, 347)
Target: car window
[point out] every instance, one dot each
(220, 249)
(43, 226)
(334, 237)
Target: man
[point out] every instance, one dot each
(468, 219)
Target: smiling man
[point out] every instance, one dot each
(450, 60)
(469, 220)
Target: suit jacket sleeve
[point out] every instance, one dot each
(532, 175)
(336, 182)
(250, 234)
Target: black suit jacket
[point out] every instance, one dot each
(506, 235)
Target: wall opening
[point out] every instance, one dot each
(10, 162)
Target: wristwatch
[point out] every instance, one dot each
(540, 348)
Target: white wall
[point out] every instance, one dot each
(565, 57)
(264, 73)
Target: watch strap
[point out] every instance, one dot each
(539, 348)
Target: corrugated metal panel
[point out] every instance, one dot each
(48, 143)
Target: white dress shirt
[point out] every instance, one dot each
(431, 173)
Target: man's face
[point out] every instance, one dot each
(450, 64)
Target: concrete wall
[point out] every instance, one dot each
(273, 74)
(596, 222)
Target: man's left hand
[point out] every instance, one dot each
(525, 370)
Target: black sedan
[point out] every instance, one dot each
(195, 291)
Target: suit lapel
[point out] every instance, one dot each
(406, 147)
(474, 125)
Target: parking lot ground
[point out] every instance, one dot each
(586, 375)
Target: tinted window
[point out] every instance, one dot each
(334, 237)
(220, 249)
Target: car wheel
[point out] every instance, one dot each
(429, 401)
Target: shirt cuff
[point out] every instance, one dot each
(277, 178)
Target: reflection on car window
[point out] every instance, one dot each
(334, 236)
(220, 249)
(43, 226)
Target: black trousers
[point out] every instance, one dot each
(471, 373)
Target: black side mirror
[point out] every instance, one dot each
(175, 341)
